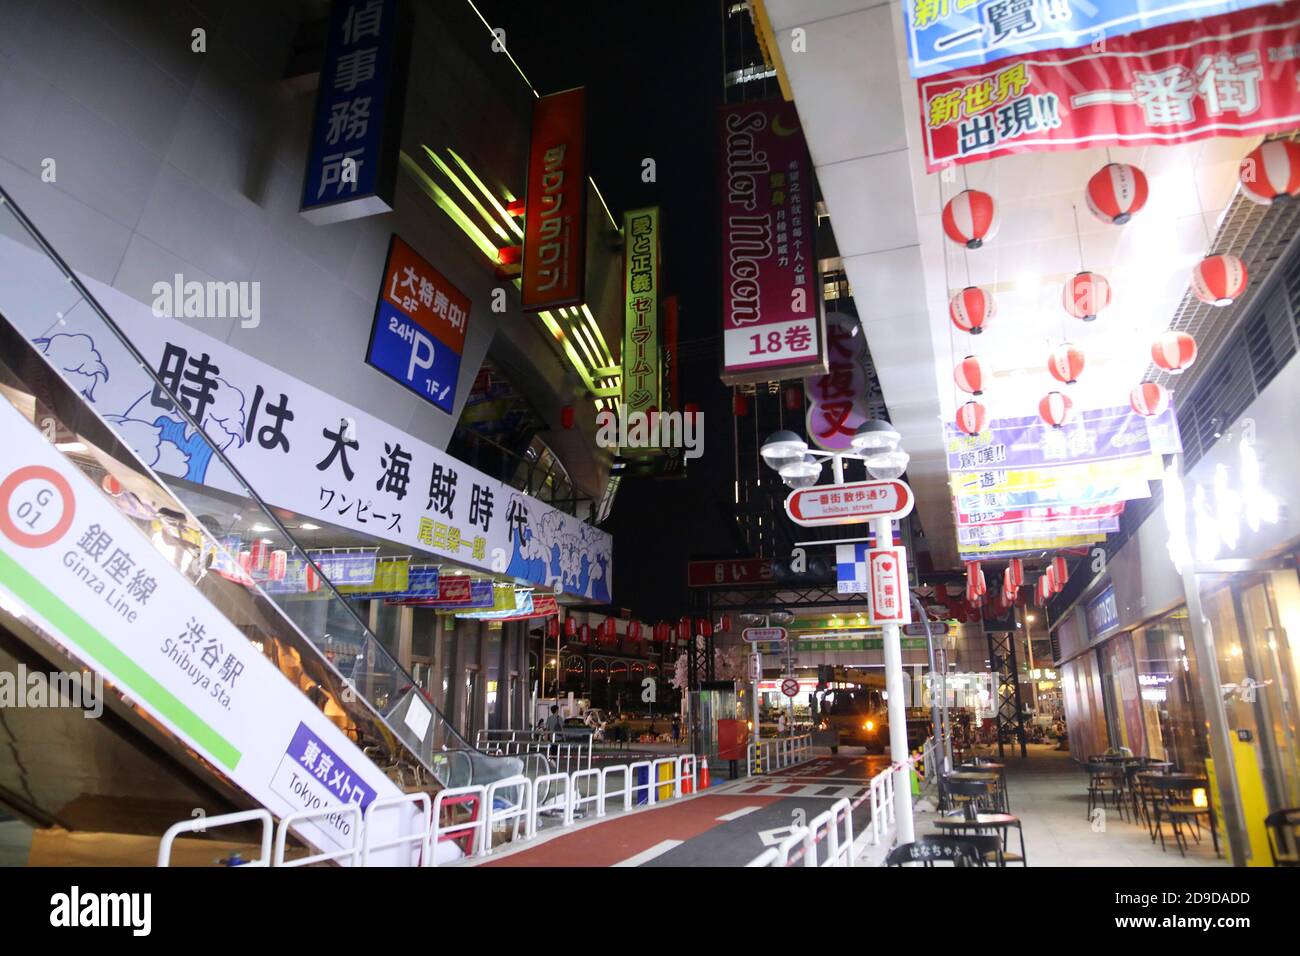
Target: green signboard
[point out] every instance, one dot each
(641, 360)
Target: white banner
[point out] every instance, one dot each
(288, 440)
(92, 581)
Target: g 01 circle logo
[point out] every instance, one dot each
(36, 506)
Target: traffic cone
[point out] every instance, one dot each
(704, 773)
(688, 785)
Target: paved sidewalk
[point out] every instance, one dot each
(1048, 792)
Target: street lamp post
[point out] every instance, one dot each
(876, 444)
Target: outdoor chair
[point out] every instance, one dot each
(1284, 836)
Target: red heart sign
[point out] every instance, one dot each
(886, 566)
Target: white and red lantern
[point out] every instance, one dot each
(705, 628)
(969, 375)
(1271, 172)
(259, 554)
(975, 582)
(1008, 584)
(1218, 280)
(312, 580)
(1055, 408)
(1060, 573)
(1066, 363)
(570, 627)
(970, 218)
(724, 622)
(1017, 568)
(634, 630)
(684, 629)
(1149, 399)
(1116, 192)
(1085, 295)
(278, 565)
(1043, 589)
(971, 417)
(553, 628)
(1173, 351)
(584, 633)
(971, 309)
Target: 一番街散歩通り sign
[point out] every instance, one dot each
(554, 271)
(418, 333)
(771, 296)
(1231, 75)
(945, 35)
(355, 137)
(849, 503)
(300, 447)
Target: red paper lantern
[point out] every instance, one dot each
(1149, 399)
(634, 630)
(312, 579)
(1174, 351)
(971, 309)
(970, 418)
(1008, 584)
(793, 397)
(1271, 172)
(584, 634)
(1060, 572)
(740, 404)
(970, 217)
(706, 628)
(1043, 590)
(1055, 408)
(691, 408)
(1017, 568)
(1218, 280)
(969, 375)
(566, 417)
(724, 622)
(277, 565)
(258, 555)
(1116, 192)
(1066, 363)
(1086, 294)
(684, 629)
(553, 628)
(570, 627)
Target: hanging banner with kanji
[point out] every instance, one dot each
(838, 399)
(947, 35)
(356, 134)
(555, 208)
(641, 366)
(1232, 75)
(418, 333)
(771, 295)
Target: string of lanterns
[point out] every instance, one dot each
(1114, 194)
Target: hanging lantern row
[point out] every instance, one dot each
(971, 418)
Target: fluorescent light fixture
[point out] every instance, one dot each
(487, 193)
(448, 205)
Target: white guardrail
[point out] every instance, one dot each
(467, 817)
(777, 753)
(834, 828)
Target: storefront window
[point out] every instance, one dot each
(1171, 705)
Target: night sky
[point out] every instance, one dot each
(653, 73)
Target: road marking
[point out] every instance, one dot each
(645, 856)
(737, 814)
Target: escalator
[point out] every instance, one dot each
(218, 692)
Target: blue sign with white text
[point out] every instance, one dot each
(1102, 613)
(945, 35)
(352, 157)
(410, 355)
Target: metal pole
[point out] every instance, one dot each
(1033, 684)
(758, 675)
(935, 717)
(898, 751)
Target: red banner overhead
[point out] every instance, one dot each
(555, 216)
(1233, 75)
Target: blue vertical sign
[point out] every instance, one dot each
(352, 159)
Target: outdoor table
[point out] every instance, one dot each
(1168, 783)
(987, 821)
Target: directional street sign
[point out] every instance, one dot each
(917, 629)
(850, 503)
(756, 634)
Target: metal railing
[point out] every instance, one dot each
(204, 824)
(349, 852)
(565, 754)
(777, 753)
